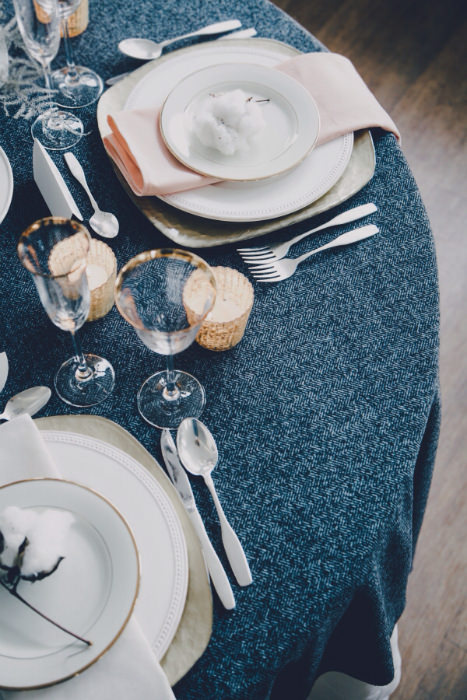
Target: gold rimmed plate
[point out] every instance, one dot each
(92, 593)
(285, 113)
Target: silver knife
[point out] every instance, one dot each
(182, 484)
(239, 34)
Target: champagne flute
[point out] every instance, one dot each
(54, 250)
(165, 295)
(78, 86)
(54, 128)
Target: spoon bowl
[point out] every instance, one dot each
(196, 447)
(28, 401)
(104, 223)
(198, 453)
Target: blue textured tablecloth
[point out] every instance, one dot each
(326, 414)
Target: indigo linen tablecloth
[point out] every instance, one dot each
(326, 414)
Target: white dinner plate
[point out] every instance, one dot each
(151, 517)
(243, 201)
(6, 184)
(289, 113)
(92, 592)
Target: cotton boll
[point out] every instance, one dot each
(45, 531)
(47, 541)
(228, 122)
(14, 524)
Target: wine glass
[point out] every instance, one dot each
(165, 295)
(55, 250)
(78, 86)
(54, 128)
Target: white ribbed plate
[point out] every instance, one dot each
(151, 517)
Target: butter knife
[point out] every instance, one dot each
(51, 184)
(182, 484)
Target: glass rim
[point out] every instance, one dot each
(155, 254)
(48, 220)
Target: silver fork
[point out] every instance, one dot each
(277, 270)
(280, 250)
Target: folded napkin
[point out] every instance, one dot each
(344, 102)
(129, 669)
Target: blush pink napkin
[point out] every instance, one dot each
(344, 102)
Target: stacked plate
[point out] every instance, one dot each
(129, 551)
(281, 181)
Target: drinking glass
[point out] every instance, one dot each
(165, 295)
(54, 250)
(78, 86)
(55, 129)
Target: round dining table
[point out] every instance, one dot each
(326, 414)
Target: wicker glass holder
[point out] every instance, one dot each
(225, 325)
(102, 271)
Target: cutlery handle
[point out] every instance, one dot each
(78, 172)
(232, 545)
(357, 234)
(216, 28)
(216, 570)
(241, 34)
(345, 218)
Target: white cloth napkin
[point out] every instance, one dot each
(129, 669)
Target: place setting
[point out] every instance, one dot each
(175, 475)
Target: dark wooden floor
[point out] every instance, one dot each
(412, 53)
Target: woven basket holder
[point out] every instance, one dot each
(218, 335)
(102, 297)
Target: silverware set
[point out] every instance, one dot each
(197, 451)
(268, 263)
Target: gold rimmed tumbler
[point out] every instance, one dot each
(165, 295)
(55, 251)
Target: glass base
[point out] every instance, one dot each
(78, 90)
(85, 391)
(163, 412)
(57, 130)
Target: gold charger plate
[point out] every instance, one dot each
(196, 232)
(195, 627)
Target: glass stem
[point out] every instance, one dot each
(84, 371)
(171, 391)
(72, 74)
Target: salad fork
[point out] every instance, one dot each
(280, 250)
(277, 270)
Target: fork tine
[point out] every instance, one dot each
(265, 274)
(252, 249)
(259, 258)
(258, 267)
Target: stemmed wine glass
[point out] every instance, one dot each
(55, 129)
(78, 86)
(165, 295)
(54, 251)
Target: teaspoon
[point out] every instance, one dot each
(27, 401)
(147, 50)
(102, 222)
(198, 453)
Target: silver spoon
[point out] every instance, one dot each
(102, 222)
(147, 50)
(198, 453)
(28, 401)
